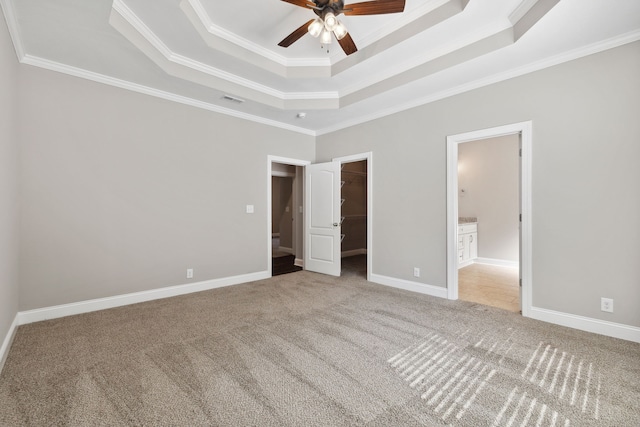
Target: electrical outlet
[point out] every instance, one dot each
(606, 304)
(189, 273)
(416, 272)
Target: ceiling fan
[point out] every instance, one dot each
(327, 22)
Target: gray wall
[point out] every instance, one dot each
(488, 172)
(8, 183)
(586, 146)
(123, 192)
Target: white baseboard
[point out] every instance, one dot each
(596, 326)
(464, 264)
(407, 285)
(353, 252)
(299, 262)
(8, 340)
(285, 249)
(55, 312)
(496, 262)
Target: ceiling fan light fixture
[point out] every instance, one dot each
(340, 31)
(316, 27)
(325, 38)
(330, 21)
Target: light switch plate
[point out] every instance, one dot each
(250, 209)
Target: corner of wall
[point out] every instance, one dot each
(6, 343)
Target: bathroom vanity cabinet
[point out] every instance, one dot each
(467, 243)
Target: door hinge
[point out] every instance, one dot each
(520, 217)
(520, 152)
(520, 282)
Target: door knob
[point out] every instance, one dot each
(335, 224)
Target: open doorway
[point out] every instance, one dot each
(458, 233)
(488, 221)
(353, 218)
(284, 214)
(284, 222)
(356, 214)
(317, 213)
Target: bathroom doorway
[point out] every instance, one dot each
(488, 221)
(472, 211)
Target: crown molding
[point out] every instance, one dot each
(137, 24)
(396, 23)
(127, 23)
(450, 48)
(578, 53)
(10, 16)
(217, 31)
(521, 10)
(14, 29)
(132, 27)
(134, 87)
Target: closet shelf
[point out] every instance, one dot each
(354, 172)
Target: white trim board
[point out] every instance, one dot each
(407, 285)
(588, 324)
(8, 340)
(46, 313)
(353, 252)
(496, 262)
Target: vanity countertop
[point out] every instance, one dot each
(467, 220)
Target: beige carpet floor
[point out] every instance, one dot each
(304, 349)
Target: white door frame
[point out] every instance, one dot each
(368, 156)
(525, 129)
(270, 161)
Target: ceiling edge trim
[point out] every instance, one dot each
(220, 32)
(578, 53)
(218, 38)
(454, 46)
(129, 25)
(521, 10)
(134, 87)
(12, 24)
(397, 22)
(138, 25)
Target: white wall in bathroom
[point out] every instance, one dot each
(488, 172)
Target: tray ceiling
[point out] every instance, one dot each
(224, 56)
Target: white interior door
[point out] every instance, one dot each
(322, 218)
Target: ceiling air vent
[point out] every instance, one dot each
(232, 99)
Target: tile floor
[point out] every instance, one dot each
(490, 285)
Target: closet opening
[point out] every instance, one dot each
(353, 218)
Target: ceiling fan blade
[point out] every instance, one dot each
(377, 7)
(348, 45)
(293, 37)
(301, 3)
